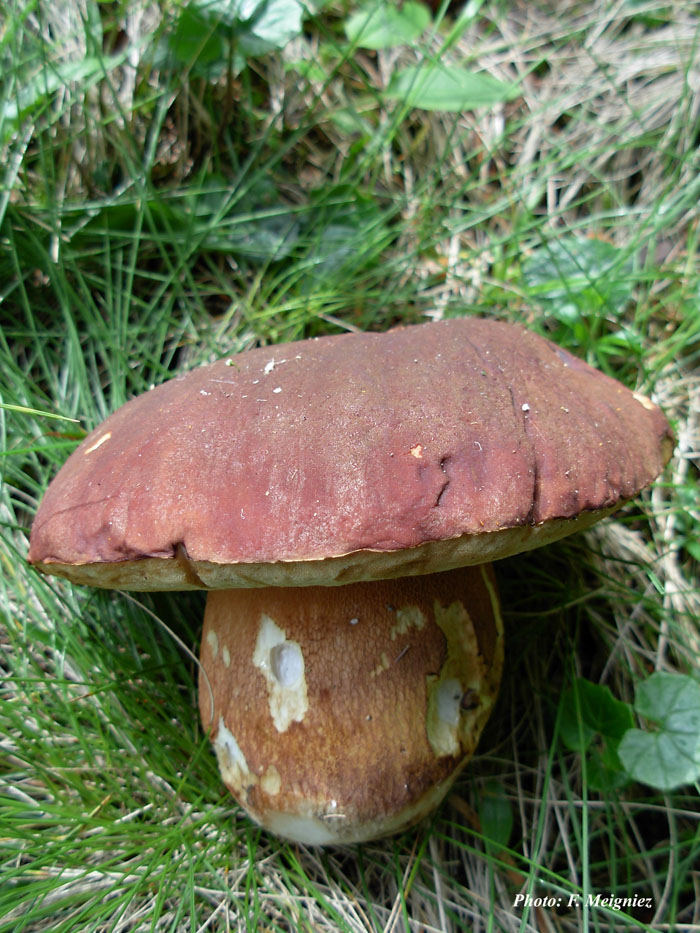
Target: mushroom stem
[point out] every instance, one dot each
(342, 714)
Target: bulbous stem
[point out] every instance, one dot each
(344, 713)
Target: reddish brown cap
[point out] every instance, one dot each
(349, 458)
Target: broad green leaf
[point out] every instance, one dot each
(210, 33)
(274, 22)
(195, 39)
(264, 238)
(259, 226)
(573, 730)
(447, 87)
(383, 25)
(604, 771)
(576, 275)
(495, 814)
(670, 756)
(272, 25)
(589, 709)
(341, 227)
(228, 12)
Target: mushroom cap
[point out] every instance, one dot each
(347, 458)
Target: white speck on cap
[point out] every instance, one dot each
(99, 442)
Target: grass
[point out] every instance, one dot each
(158, 212)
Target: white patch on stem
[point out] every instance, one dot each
(281, 663)
(213, 642)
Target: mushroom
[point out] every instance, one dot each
(342, 499)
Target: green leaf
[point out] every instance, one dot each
(589, 709)
(269, 25)
(495, 815)
(604, 769)
(577, 275)
(196, 40)
(341, 223)
(383, 25)
(209, 32)
(592, 721)
(258, 227)
(447, 87)
(670, 756)
(272, 21)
